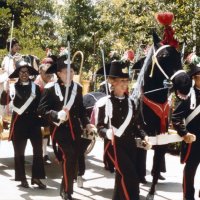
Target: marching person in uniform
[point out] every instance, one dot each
(185, 119)
(42, 79)
(25, 123)
(66, 121)
(120, 129)
(113, 55)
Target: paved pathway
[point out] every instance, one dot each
(98, 183)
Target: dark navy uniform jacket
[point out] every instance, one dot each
(120, 112)
(181, 112)
(50, 105)
(22, 93)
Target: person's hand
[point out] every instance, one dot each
(147, 145)
(109, 134)
(189, 138)
(91, 128)
(63, 115)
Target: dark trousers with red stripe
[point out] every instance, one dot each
(108, 164)
(84, 143)
(141, 163)
(70, 153)
(190, 171)
(22, 132)
(126, 179)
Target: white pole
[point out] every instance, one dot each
(68, 71)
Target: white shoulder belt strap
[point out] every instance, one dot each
(192, 115)
(119, 131)
(19, 111)
(71, 100)
(72, 97)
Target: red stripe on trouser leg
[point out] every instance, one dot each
(64, 170)
(188, 153)
(105, 150)
(12, 128)
(118, 169)
(71, 129)
(53, 133)
(111, 158)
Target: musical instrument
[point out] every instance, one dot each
(79, 77)
(45, 131)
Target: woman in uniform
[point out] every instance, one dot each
(119, 122)
(25, 123)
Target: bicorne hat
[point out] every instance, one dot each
(119, 69)
(60, 64)
(193, 69)
(23, 62)
(100, 71)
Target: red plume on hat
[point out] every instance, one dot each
(128, 55)
(165, 19)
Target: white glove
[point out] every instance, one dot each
(109, 134)
(62, 115)
(91, 129)
(146, 144)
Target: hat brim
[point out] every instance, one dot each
(100, 71)
(53, 69)
(125, 75)
(192, 73)
(32, 72)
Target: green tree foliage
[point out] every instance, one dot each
(120, 24)
(33, 24)
(128, 23)
(81, 23)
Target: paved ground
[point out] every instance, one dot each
(98, 183)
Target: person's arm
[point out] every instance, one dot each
(178, 121)
(45, 107)
(102, 127)
(178, 118)
(138, 123)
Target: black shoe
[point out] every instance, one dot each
(189, 199)
(110, 169)
(66, 196)
(161, 177)
(143, 180)
(39, 183)
(47, 160)
(24, 184)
